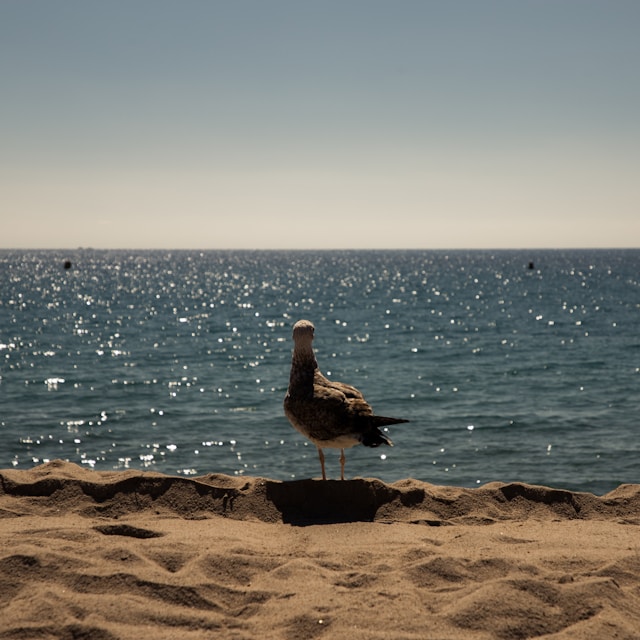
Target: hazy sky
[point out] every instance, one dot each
(324, 124)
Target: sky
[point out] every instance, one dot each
(332, 124)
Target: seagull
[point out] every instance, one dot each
(331, 414)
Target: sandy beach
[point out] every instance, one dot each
(129, 554)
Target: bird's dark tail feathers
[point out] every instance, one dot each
(381, 421)
(374, 437)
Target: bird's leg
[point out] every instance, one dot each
(321, 456)
(342, 460)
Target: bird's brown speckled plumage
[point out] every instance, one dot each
(331, 414)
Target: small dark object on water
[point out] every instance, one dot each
(532, 266)
(67, 264)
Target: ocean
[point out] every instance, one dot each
(510, 365)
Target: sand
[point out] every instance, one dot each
(129, 554)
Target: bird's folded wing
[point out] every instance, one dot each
(340, 401)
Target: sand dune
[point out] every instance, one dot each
(106, 555)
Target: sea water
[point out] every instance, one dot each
(510, 365)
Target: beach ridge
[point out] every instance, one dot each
(116, 554)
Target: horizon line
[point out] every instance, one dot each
(322, 249)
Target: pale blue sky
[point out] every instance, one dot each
(326, 124)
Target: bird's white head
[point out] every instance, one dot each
(303, 331)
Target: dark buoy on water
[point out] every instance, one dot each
(532, 266)
(67, 264)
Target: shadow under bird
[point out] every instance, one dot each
(331, 414)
